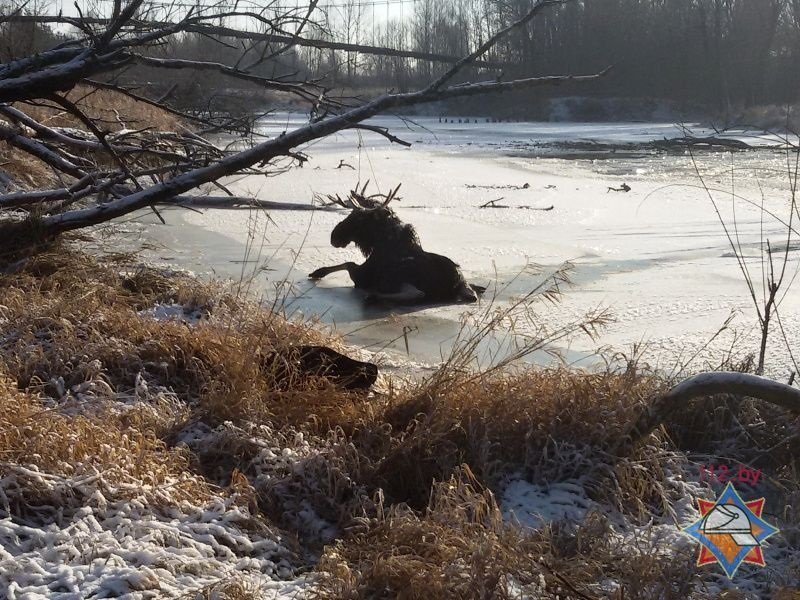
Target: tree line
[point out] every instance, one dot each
(716, 55)
(722, 55)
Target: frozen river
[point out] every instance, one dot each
(657, 256)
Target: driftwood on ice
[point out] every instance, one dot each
(239, 202)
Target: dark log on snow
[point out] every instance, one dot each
(320, 361)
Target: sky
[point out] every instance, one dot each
(381, 10)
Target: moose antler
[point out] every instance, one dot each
(358, 198)
(392, 194)
(335, 199)
(378, 200)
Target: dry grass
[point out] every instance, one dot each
(27, 171)
(112, 110)
(459, 547)
(115, 386)
(67, 316)
(42, 445)
(57, 317)
(228, 590)
(94, 389)
(533, 421)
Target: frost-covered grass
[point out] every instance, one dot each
(148, 457)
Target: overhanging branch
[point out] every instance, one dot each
(196, 165)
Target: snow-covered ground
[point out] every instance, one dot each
(656, 256)
(132, 550)
(534, 506)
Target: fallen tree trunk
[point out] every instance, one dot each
(711, 384)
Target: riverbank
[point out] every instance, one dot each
(150, 449)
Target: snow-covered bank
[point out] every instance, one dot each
(657, 255)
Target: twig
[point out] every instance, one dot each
(344, 164)
(491, 204)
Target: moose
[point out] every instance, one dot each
(396, 269)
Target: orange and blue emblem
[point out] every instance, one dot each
(730, 531)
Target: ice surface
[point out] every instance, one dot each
(657, 256)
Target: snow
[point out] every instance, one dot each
(134, 550)
(536, 505)
(656, 255)
(174, 312)
(85, 536)
(274, 466)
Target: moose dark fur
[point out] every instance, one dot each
(396, 268)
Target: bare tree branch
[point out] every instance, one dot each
(186, 162)
(288, 40)
(300, 89)
(471, 59)
(40, 151)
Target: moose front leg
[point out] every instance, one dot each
(325, 271)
